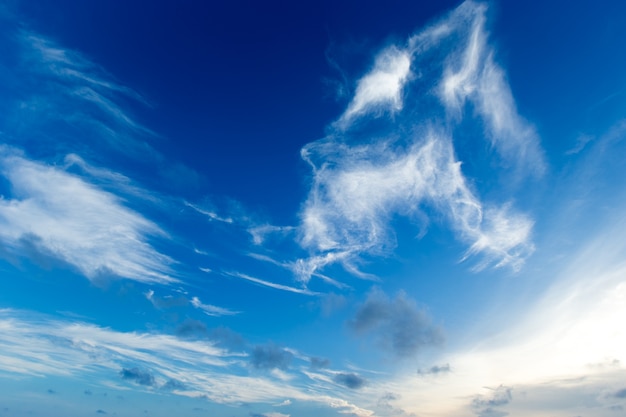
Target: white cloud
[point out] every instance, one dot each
(211, 310)
(361, 183)
(72, 220)
(381, 88)
(260, 232)
(271, 284)
(358, 190)
(212, 215)
(38, 346)
(472, 74)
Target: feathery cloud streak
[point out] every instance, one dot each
(70, 88)
(62, 215)
(38, 346)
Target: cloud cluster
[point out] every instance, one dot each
(62, 215)
(487, 405)
(270, 357)
(138, 376)
(362, 181)
(398, 324)
(435, 370)
(38, 346)
(350, 380)
(382, 87)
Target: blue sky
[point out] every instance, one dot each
(249, 209)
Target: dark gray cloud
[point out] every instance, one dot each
(220, 336)
(192, 329)
(485, 406)
(350, 380)
(319, 363)
(399, 324)
(138, 376)
(173, 384)
(270, 356)
(435, 370)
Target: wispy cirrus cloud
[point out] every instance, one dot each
(211, 214)
(211, 310)
(471, 74)
(271, 284)
(409, 166)
(64, 85)
(90, 229)
(139, 376)
(38, 346)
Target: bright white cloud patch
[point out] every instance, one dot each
(65, 217)
(381, 88)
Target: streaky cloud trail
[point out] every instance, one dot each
(61, 214)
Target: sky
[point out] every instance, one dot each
(315, 208)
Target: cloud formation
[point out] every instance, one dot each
(350, 380)
(138, 376)
(173, 384)
(271, 284)
(398, 325)
(270, 357)
(471, 74)
(381, 88)
(319, 363)
(66, 217)
(211, 310)
(37, 346)
(435, 370)
(167, 301)
(487, 405)
(362, 181)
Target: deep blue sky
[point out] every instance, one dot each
(301, 209)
